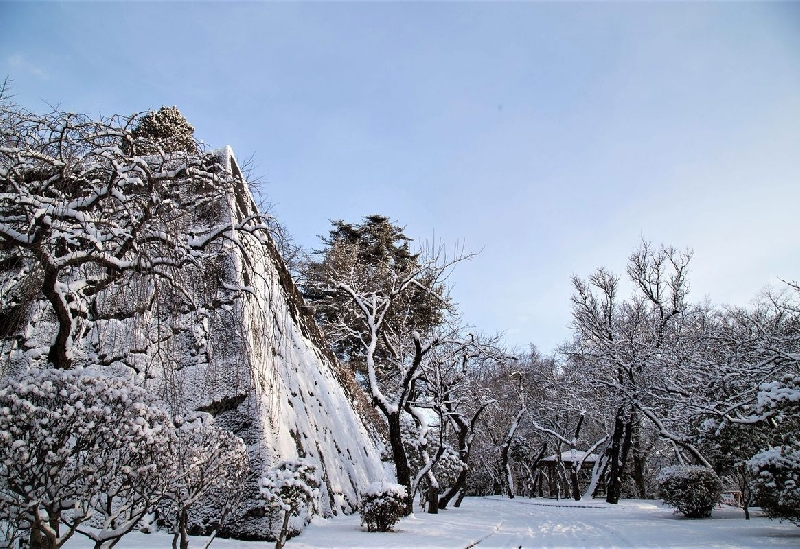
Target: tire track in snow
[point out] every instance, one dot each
(487, 536)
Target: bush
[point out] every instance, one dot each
(692, 490)
(69, 437)
(777, 482)
(293, 487)
(165, 129)
(382, 505)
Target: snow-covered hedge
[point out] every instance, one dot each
(382, 506)
(693, 490)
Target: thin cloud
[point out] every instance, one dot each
(19, 61)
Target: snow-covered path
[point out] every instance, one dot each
(497, 522)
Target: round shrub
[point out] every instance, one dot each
(692, 490)
(165, 129)
(382, 506)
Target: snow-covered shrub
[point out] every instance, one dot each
(210, 466)
(80, 449)
(382, 505)
(449, 466)
(777, 482)
(291, 487)
(777, 468)
(693, 490)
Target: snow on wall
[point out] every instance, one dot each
(247, 352)
(297, 405)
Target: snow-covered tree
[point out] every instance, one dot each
(79, 452)
(161, 131)
(626, 347)
(85, 205)
(210, 468)
(392, 349)
(293, 488)
(444, 399)
(378, 252)
(458, 397)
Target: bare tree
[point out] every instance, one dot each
(624, 343)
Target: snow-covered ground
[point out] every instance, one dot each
(500, 522)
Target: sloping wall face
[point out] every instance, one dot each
(232, 340)
(299, 406)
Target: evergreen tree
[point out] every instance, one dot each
(377, 251)
(164, 130)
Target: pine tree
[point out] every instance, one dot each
(378, 251)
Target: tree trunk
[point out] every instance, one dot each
(508, 477)
(400, 459)
(639, 462)
(284, 533)
(626, 447)
(614, 482)
(573, 473)
(458, 485)
(465, 434)
(57, 356)
(39, 539)
(743, 478)
(459, 499)
(573, 476)
(183, 525)
(433, 500)
(463, 455)
(598, 471)
(504, 457)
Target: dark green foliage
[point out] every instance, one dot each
(376, 255)
(777, 483)
(729, 447)
(777, 466)
(162, 131)
(692, 490)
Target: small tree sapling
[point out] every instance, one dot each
(291, 487)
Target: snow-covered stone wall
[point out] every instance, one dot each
(289, 402)
(233, 339)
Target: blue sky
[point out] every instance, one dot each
(551, 136)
